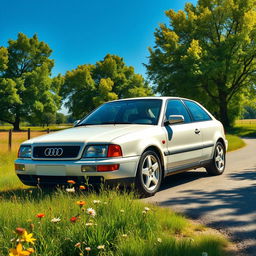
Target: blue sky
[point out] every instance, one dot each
(82, 31)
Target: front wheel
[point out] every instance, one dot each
(218, 163)
(149, 173)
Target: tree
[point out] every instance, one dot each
(88, 86)
(207, 53)
(26, 89)
(61, 118)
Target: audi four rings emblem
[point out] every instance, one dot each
(53, 152)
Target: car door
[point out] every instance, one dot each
(184, 140)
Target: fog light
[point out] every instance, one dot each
(88, 168)
(19, 167)
(107, 168)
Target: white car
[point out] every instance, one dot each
(138, 140)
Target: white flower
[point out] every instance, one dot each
(55, 220)
(96, 201)
(87, 249)
(70, 190)
(122, 211)
(144, 212)
(159, 240)
(101, 247)
(91, 212)
(146, 209)
(89, 224)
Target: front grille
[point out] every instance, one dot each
(55, 152)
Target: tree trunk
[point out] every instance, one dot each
(223, 108)
(16, 124)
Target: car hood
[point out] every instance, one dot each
(90, 133)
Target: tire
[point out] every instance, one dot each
(218, 162)
(149, 173)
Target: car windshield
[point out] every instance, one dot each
(143, 111)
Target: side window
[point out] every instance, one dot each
(176, 107)
(197, 112)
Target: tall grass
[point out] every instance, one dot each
(122, 225)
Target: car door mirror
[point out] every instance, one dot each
(175, 119)
(76, 122)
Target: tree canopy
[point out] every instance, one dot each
(88, 86)
(207, 52)
(26, 89)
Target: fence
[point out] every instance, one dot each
(10, 137)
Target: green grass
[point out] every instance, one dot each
(244, 128)
(234, 142)
(121, 224)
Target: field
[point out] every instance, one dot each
(122, 225)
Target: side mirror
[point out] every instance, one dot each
(76, 122)
(175, 119)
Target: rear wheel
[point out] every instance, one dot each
(149, 173)
(218, 163)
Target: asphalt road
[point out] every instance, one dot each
(226, 202)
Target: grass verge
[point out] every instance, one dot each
(108, 223)
(234, 142)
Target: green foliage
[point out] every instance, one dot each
(26, 89)
(208, 53)
(61, 118)
(88, 86)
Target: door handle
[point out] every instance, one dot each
(197, 131)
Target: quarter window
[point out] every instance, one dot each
(197, 112)
(176, 107)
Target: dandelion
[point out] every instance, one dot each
(71, 182)
(91, 212)
(122, 211)
(81, 203)
(28, 237)
(70, 190)
(101, 247)
(82, 187)
(55, 220)
(159, 240)
(18, 251)
(146, 209)
(74, 219)
(40, 215)
(96, 201)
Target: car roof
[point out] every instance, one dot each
(152, 98)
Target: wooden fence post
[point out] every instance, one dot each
(10, 140)
(28, 133)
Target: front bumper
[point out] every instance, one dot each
(35, 172)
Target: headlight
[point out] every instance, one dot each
(111, 150)
(24, 152)
(96, 151)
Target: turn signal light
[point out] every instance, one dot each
(114, 151)
(107, 168)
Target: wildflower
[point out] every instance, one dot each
(144, 212)
(124, 235)
(28, 237)
(18, 251)
(96, 201)
(74, 219)
(20, 231)
(105, 203)
(88, 224)
(81, 203)
(40, 215)
(71, 182)
(31, 250)
(146, 209)
(55, 220)
(78, 245)
(87, 249)
(101, 247)
(70, 190)
(82, 187)
(91, 212)
(159, 240)
(122, 211)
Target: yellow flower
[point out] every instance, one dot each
(28, 237)
(18, 251)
